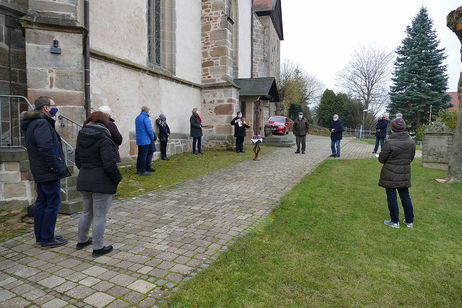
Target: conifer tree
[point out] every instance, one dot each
(419, 78)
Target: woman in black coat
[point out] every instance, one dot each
(396, 156)
(164, 133)
(97, 181)
(196, 131)
(381, 133)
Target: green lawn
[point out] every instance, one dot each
(180, 168)
(372, 141)
(326, 245)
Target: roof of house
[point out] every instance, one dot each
(263, 87)
(454, 100)
(270, 8)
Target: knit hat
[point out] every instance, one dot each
(398, 125)
(105, 109)
(162, 116)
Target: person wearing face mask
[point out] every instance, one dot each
(300, 130)
(239, 131)
(396, 156)
(336, 129)
(48, 167)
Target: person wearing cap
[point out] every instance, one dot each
(336, 132)
(396, 156)
(300, 130)
(48, 167)
(239, 131)
(381, 132)
(164, 133)
(115, 134)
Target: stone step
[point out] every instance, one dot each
(72, 206)
(73, 193)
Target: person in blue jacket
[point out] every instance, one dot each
(336, 129)
(145, 138)
(381, 132)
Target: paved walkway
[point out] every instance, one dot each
(161, 239)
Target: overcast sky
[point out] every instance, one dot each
(320, 36)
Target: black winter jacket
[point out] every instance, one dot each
(381, 128)
(396, 156)
(44, 147)
(196, 127)
(337, 134)
(239, 131)
(116, 137)
(164, 130)
(94, 156)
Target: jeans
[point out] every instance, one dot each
(302, 140)
(377, 139)
(197, 140)
(240, 144)
(405, 201)
(334, 144)
(144, 159)
(95, 208)
(163, 149)
(46, 210)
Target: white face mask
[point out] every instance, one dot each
(300, 117)
(335, 119)
(239, 115)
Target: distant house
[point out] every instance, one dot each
(454, 101)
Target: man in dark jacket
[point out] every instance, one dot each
(381, 132)
(115, 134)
(300, 130)
(145, 138)
(239, 131)
(48, 166)
(336, 129)
(396, 157)
(196, 131)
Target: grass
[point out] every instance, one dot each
(372, 141)
(180, 168)
(326, 245)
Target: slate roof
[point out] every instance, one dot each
(270, 8)
(264, 87)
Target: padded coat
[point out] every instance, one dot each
(396, 156)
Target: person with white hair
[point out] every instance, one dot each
(164, 133)
(115, 134)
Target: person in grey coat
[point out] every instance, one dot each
(396, 156)
(300, 130)
(196, 131)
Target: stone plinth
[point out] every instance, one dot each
(437, 146)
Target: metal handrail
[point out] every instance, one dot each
(68, 149)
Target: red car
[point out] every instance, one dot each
(279, 124)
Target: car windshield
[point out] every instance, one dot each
(277, 119)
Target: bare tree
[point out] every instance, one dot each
(297, 86)
(366, 77)
(454, 22)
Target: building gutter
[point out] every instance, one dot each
(86, 10)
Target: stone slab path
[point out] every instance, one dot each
(160, 239)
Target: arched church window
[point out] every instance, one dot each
(161, 34)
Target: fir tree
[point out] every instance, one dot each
(419, 78)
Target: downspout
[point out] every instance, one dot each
(251, 41)
(86, 17)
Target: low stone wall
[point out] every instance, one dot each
(436, 146)
(17, 189)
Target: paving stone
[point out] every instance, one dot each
(15, 302)
(99, 299)
(122, 280)
(182, 269)
(89, 281)
(158, 273)
(51, 281)
(118, 304)
(174, 277)
(6, 295)
(55, 303)
(103, 286)
(141, 286)
(34, 294)
(65, 287)
(80, 292)
(118, 291)
(133, 297)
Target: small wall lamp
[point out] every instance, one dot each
(55, 48)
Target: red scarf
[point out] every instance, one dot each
(197, 115)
